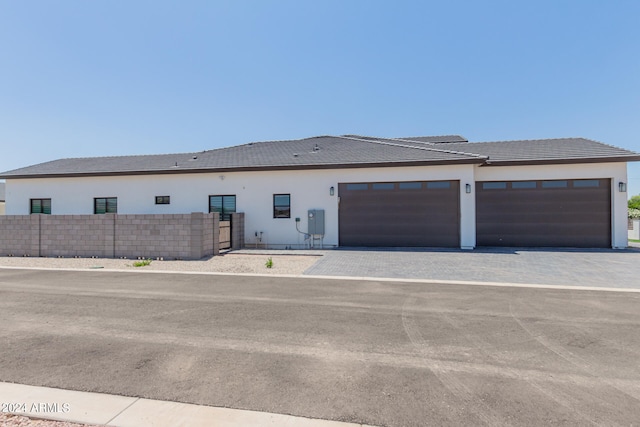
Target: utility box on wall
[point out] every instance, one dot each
(315, 218)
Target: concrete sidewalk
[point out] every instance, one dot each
(112, 410)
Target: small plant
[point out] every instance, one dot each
(142, 263)
(269, 263)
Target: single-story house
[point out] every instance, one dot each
(351, 190)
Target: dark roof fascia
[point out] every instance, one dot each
(561, 161)
(252, 169)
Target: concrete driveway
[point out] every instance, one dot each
(589, 267)
(382, 353)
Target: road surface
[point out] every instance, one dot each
(382, 353)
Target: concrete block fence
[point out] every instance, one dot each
(20, 234)
(74, 235)
(171, 236)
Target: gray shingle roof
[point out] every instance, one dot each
(559, 150)
(309, 153)
(338, 152)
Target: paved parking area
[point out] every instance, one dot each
(567, 267)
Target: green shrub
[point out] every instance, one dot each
(269, 263)
(634, 213)
(142, 263)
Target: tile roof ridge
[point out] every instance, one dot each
(379, 140)
(539, 139)
(432, 136)
(275, 140)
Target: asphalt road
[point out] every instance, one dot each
(384, 353)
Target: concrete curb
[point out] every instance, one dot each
(121, 411)
(353, 278)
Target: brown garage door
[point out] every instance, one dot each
(559, 213)
(400, 214)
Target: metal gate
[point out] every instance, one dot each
(224, 239)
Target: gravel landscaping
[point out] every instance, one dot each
(226, 263)
(7, 420)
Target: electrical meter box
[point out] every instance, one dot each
(315, 219)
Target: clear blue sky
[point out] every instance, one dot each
(96, 78)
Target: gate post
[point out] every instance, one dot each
(216, 233)
(237, 230)
(197, 229)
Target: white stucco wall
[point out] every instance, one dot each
(617, 172)
(2, 208)
(254, 196)
(309, 190)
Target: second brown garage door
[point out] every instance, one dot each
(396, 214)
(561, 213)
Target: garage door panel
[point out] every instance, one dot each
(391, 240)
(421, 216)
(567, 204)
(405, 210)
(569, 217)
(417, 200)
(369, 226)
(396, 218)
(531, 218)
(525, 227)
(536, 240)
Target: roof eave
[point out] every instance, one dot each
(248, 169)
(561, 161)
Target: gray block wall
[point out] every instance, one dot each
(76, 235)
(20, 235)
(152, 236)
(237, 230)
(171, 236)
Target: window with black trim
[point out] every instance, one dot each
(103, 205)
(40, 206)
(224, 205)
(282, 205)
(163, 200)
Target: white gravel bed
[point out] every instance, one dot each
(7, 420)
(226, 263)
